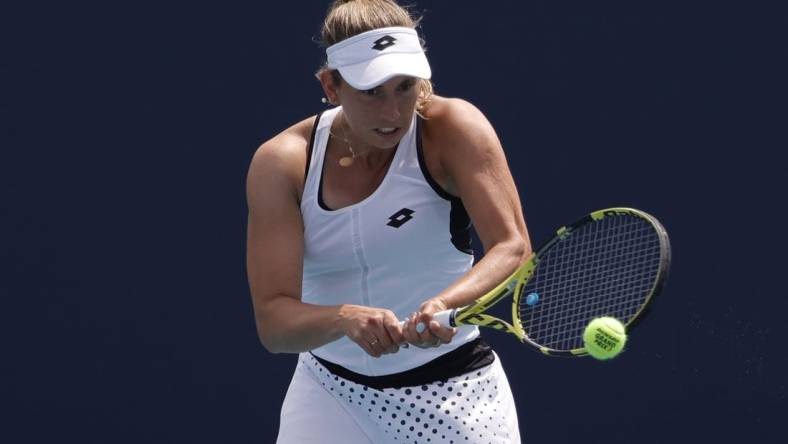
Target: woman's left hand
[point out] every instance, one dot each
(435, 334)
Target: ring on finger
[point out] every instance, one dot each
(374, 341)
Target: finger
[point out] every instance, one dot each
(445, 334)
(375, 333)
(409, 329)
(367, 347)
(386, 346)
(421, 339)
(389, 346)
(381, 342)
(402, 328)
(383, 349)
(420, 325)
(426, 335)
(384, 340)
(395, 345)
(378, 346)
(411, 335)
(393, 329)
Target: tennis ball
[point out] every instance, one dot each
(604, 338)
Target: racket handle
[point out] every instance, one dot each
(419, 328)
(444, 318)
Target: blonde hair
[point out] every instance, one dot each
(346, 18)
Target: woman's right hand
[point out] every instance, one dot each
(375, 330)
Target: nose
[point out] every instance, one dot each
(390, 109)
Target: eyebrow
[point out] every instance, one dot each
(411, 80)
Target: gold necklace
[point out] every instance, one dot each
(345, 161)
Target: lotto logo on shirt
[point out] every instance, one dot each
(399, 218)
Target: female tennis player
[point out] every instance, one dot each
(359, 219)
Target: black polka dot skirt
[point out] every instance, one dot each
(476, 407)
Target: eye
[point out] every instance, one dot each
(371, 92)
(407, 85)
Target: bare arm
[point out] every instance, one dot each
(477, 172)
(275, 254)
(275, 250)
(480, 175)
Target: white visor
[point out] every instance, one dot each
(368, 59)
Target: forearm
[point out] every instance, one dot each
(497, 264)
(287, 325)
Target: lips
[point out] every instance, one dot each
(386, 131)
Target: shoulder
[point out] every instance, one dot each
(458, 141)
(454, 119)
(286, 148)
(282, 159)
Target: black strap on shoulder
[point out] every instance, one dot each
(311, 145)
(459, 220)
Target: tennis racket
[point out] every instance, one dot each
(612, 262)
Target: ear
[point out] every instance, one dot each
(329, 86)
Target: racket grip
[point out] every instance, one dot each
(445, 318)
(419, 328)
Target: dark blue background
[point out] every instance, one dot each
(127, 130)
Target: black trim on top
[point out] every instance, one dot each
(423, 165)
(460, 227)
(311, 144)
(465, 358)
(459, 220)
(320, 201)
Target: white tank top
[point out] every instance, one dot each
(400, 246)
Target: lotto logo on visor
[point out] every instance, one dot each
(384, 42)
(368, 59)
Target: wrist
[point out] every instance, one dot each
(434, 305)
(341, 319)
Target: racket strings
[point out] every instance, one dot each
(603, 268)
(576, 307)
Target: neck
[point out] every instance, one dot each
(375, 158)
(355, 153)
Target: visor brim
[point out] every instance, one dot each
(371, 73)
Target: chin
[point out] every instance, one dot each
(388, 144)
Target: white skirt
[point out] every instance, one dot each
(321, 407)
